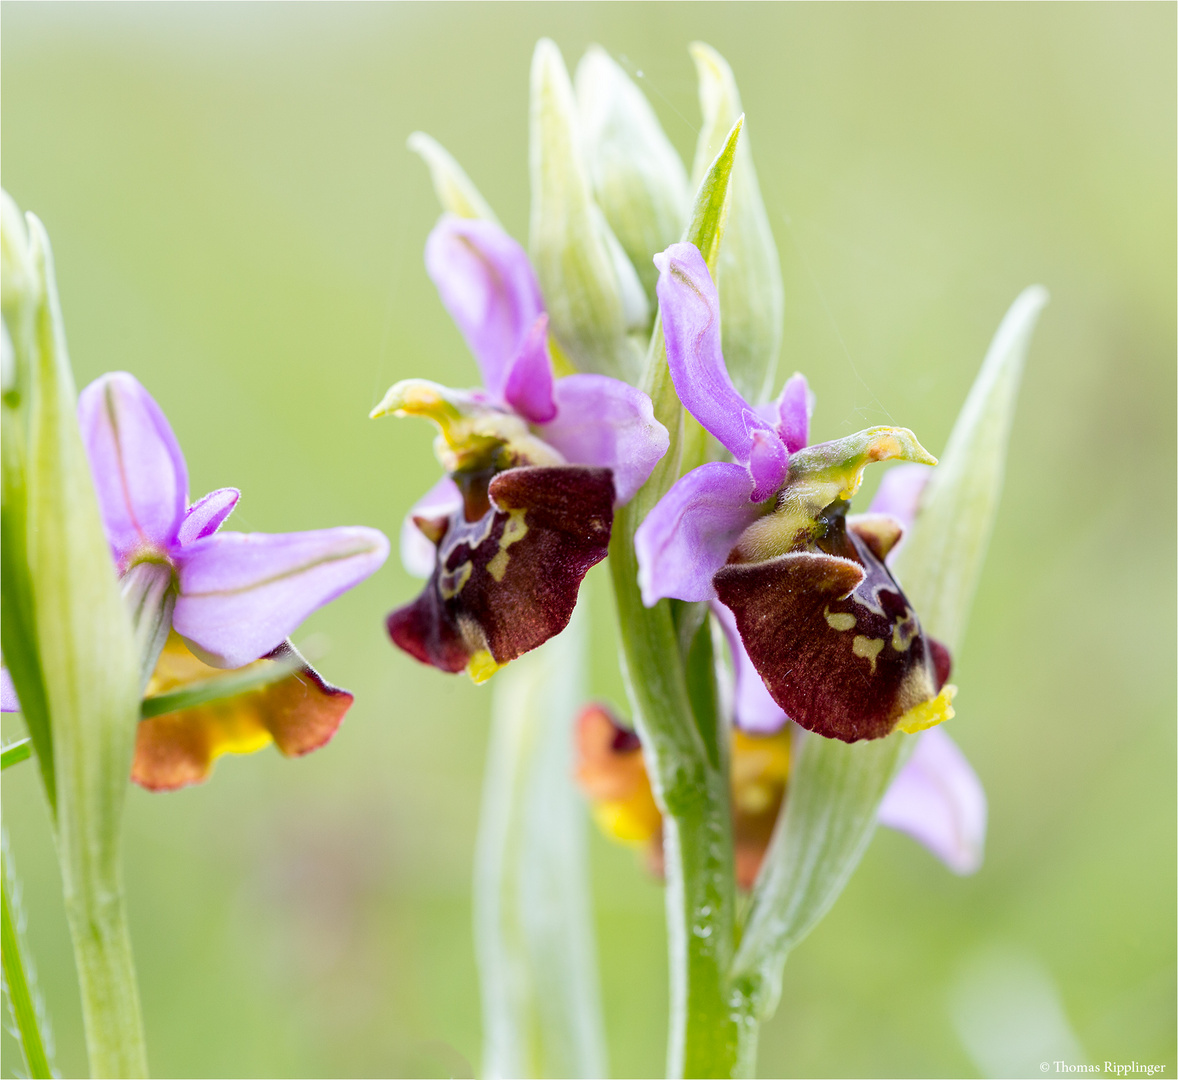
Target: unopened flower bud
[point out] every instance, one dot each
(17, 275)
(591, 290)
(639, 181)
(454, 189)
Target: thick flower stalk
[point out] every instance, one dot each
(535, 466)
(67, 641)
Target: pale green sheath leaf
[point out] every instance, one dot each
(591, 290)
(638, 178)
(454, 189)
(19, 299)
(92, 679)
(835, 789)
(20, 983)
(748, 276)
(533, 918)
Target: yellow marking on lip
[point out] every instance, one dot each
(904, 632)
(868, 648)
(515, 529)
(451, 583)
(928, 713)
(840, 620)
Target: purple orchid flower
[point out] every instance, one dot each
(937, 797)
(536, 465)
(824, 623)
(238, 595)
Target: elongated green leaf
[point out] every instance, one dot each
(16, 752)
(708, 223)
(455, 190)
(91, 673)
(835, 789)
(20, 983)
(534, 926)
(591, 290)
(752, 297)
(829, 818)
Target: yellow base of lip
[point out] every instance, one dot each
(928, 713)
(635, 820)
(482, 666)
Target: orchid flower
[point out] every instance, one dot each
(237, 596)
(535, 467)
(937, 798)
(825, 624)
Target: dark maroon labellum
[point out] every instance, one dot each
(831, 633)
(507, 581)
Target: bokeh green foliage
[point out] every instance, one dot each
(235, 219)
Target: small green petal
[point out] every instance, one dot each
(820, 475)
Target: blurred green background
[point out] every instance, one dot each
(236, 220)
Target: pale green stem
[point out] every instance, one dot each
(533, 915)
(20, 981)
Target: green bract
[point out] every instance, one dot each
(749, 272)
(835, 789)
(68, 641)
